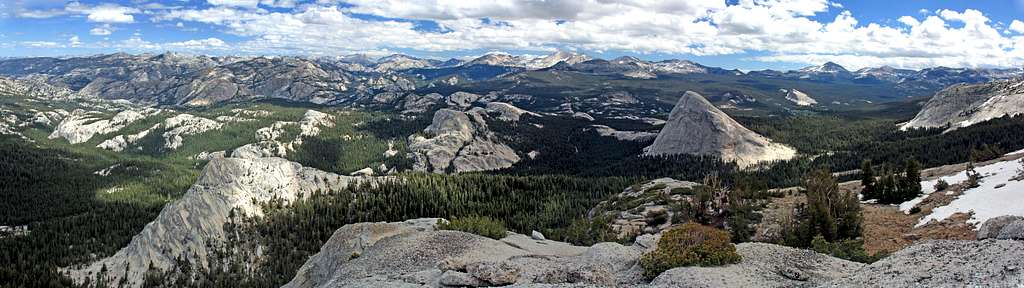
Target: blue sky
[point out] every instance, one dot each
(743, 34)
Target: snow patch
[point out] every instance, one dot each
(997, 195)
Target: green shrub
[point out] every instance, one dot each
(681, 191)
(941, 185)
(656, 217)
(479, 225)
(849, 249)
(689, 244)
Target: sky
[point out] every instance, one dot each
(733, 34)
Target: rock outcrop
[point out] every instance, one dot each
(1003, 227)
(695, 126)
(175, 129)
(81, 125)
(268, 139)
(623, 135)
(413, 253)
(648, 208)
(763, 265)
(459, 141)
(945, 263)
(187, 226)
(967, 104)
(799, 98)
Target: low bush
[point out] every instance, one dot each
(941, 185)
(690, 244)
(849, 249)
(479, 225)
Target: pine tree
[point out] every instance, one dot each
(911, 180)
(867, 179)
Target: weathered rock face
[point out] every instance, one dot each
(945, 263)
(461, 99)
(624, 135)
(175, 129)
(507, 112)
(187, 226)
(81, 125)
(800, 98)
(763, 265)
(412, 252)
(269, 144)
(964, 105)
(416, 104)
(459, 142)
(695, 126)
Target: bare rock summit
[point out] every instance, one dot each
(695, 126)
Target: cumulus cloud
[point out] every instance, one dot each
(777, 30)
(1017, 26)
(111, 14)
(104, 13)
(74, 41)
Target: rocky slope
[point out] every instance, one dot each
(799, 98)
(647, 208)
(763, 265)
(187, 227)
(270, 142)
(963, 105)
(414, 254)
(945, 263)
(199, 80)
(695, 126)
(81, 125)
(458, 138)
(458, 141)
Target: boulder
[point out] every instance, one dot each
(992, 227)
(1012, 231)
(537, 235)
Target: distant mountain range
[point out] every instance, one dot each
(191, 80)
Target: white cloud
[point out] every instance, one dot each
(104, 13)
(785, 30)
(102, 30)
(202, 44)
(111, 14)
(74, 41)
(909, 21)
(1017, 26)
(235, 3)
(40, 44)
